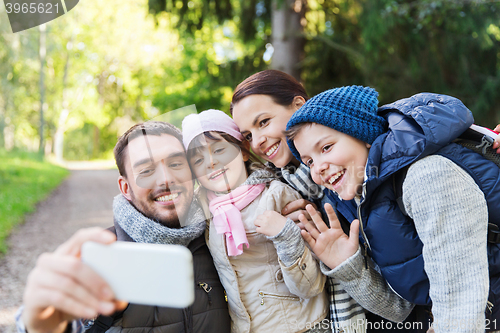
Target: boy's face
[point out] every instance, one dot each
(337, 160)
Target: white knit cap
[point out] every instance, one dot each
(209, 120)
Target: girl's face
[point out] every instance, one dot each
(262, 122)
(219, 165)
(337, 160)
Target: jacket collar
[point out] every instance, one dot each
(418, 126)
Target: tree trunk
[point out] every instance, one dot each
(287, 38)
(59, 136)
(3, 112)
(95, 146)
(42, 53)
(2, 128)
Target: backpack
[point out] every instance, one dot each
(479, 140)
(475, 138)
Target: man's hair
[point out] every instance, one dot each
(156, 128)
(281, 87)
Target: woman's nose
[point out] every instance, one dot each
(258, 142)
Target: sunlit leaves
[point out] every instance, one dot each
(405, 47)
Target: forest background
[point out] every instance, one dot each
(70, 87)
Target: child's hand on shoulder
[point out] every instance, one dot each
(270, 223)
(293, 209)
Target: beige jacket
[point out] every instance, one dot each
(264, 295)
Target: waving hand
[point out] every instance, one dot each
(331, 245)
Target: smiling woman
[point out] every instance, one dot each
(261, 107)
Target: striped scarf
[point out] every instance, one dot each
(346, 315)
(300, 179)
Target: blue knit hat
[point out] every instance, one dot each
(351, 110)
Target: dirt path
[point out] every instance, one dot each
(83, 200)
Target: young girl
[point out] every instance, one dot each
(430, 242)
(271, 279)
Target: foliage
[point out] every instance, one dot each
(251, 17)
(223, 42)
(405, 47)
(111, 64)
(24, 181)
(214, 62)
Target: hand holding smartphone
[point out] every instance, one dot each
(149, 274)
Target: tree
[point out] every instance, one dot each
(405, 47)
(110, 64)
(5, 85)
(287, 35)
(100, 63)
(258, 22)
(42, 53)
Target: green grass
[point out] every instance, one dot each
(25, 180)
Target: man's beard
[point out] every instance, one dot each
(172, 221)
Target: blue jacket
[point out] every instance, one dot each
(419, 126)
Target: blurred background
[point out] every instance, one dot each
(69, 88)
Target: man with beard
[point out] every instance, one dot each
(155, 206)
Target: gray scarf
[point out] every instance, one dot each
(144, 230)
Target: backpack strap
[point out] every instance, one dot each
(493, 234)
(103, 323)
(397, 185)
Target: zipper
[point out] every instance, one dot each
(277, 296)
(205, 286)
(366, 243)
(489, 307)
(394, 290)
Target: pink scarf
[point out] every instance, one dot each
(226, 211)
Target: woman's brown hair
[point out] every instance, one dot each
(281, 87)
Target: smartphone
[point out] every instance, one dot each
(149, 274)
